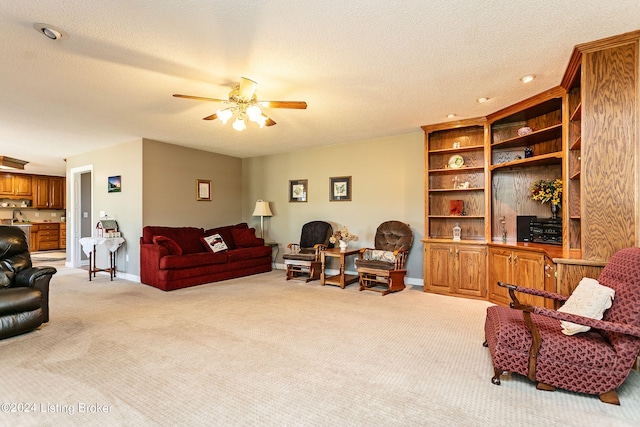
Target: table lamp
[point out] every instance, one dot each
(262, 210)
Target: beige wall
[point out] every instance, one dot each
(126, 206)
(169, 190)
(388, 184)
(159, 188)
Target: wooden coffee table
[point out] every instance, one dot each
(340, 279)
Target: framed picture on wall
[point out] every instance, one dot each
(114, 184)
(298, 190)
(203, 190)
(340, 189)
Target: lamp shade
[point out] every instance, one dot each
(262, 209)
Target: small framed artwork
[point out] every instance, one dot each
(340, 189)
(203, 190)
(114, 184)
(298, 190)
(456, 207)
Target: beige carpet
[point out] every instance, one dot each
(263, 351)
(48, 256)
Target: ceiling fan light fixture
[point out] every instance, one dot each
(224, 115)
(247, 88)
(254, 113)
(239, 124)
(261, 120)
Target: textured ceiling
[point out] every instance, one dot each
(366, 68)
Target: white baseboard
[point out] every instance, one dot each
(413, 281)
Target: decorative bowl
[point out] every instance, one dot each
(524, 131)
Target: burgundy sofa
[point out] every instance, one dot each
(176, 257)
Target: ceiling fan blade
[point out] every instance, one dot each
(211, 117)
(269, 122)
(247, 88)
(300, 105)
(199, 98)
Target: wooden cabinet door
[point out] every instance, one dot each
(471, 270)
(63, 235)
(6, 184)
(56, 192)
(33, 238)
(528, 271)
(500, 266)
(439, 276)
(41, 191)
(22, 185)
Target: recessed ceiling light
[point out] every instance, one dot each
(483, 99)
(51, 31)
(528, 78)
(451, 116)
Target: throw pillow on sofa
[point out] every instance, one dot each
(246, 237)
(170, 244)
(214, 243)
(225, 233)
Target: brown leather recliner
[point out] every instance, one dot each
(24, 289)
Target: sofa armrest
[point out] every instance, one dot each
(150, 256)
(39, 278)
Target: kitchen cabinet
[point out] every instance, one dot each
(33, 238)
(15, 185)
(456, 269)
(48, 236)
(524, 268)
(49, 192)
(63, 236)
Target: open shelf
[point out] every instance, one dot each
(458, 170)
(454, 190)
(535, 137)
(454, 150)
(542, 160)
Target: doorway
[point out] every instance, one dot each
(79, 222)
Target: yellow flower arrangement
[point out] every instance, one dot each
(547, 191)
(344, 235)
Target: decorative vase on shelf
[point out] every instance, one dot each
(343, 245)
(554, 211)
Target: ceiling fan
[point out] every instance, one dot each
(243, 103)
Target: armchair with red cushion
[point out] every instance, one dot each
(529, 340)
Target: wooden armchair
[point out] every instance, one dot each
(529, 341)
(303, 260)
(381, 268)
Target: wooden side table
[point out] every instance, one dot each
(340, 279)
(89, 247)
(274, 245)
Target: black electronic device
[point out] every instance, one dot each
(523, 227)
(546, 231)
